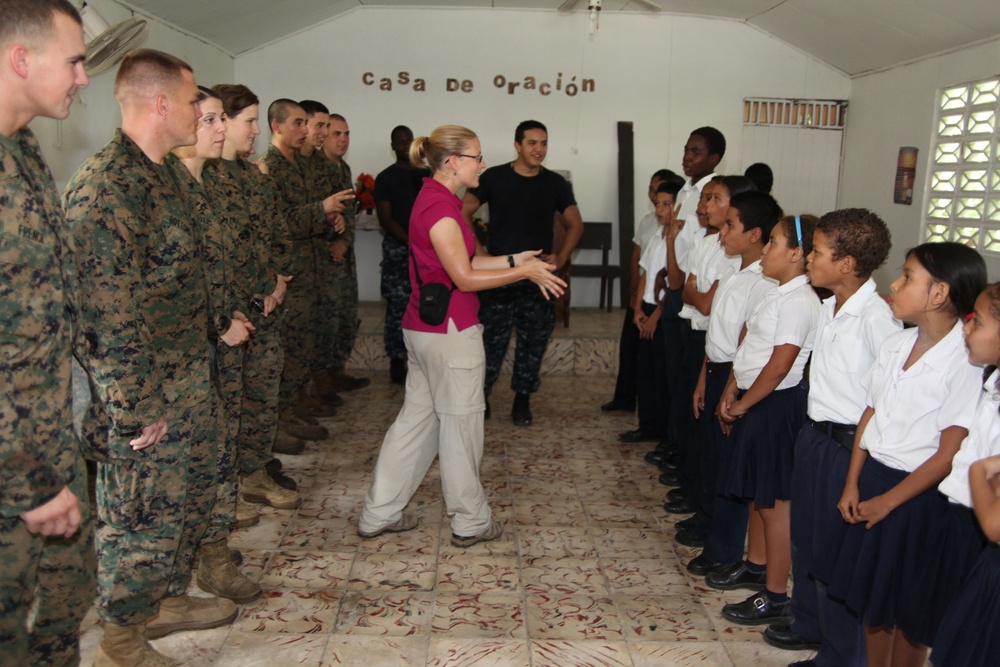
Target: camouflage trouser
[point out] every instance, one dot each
(325, 320)
(521, 306)
(396, 292)
(228, 375)
(46, 588)
(153, 508)
(259, 417)
(298, 331)
(345, 289)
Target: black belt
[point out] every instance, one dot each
(713, 366)
(842, 434)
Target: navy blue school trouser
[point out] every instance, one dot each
(690, 436)
(726, 525)
(820, 469)
(651, 381)
(628, 360)
(675, 332)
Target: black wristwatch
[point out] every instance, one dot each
(510, 260)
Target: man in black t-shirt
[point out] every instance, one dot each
(524, 197)
(396, 188)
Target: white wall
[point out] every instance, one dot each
(93, 120)
(667, 74)
(896, 108)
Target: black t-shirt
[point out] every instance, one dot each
(522, 208)
(399, 186)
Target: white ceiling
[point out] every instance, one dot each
(855, 36)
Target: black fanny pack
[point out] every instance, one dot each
(434, 298)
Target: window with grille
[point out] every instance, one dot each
(962, 197)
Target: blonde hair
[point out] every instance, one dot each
(443, 142)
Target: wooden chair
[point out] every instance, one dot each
(596, 236)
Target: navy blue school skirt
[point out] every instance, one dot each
(970, 633)
(950, 551)
(875, 567)
(763, 448)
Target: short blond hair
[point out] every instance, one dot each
(148, 72)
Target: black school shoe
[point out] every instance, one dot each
(737, 576)
(612, 406)
(637, 436)
(689, 538)
(702, 565)
(679, 507)
(781, 635)
(669, 478)
(673, 495)
(757, 609)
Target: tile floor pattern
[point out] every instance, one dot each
(585, 574)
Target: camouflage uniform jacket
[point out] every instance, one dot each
(339, 177)
(267, 213)
(143, 311)
(38, 446)
(303, 213)
(215, 244)
(249, 236)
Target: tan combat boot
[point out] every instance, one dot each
(306, 429)
(246, 514)
(321, 388)
(307, 406)
(127, 646)
(284, 443)
(217, 574)
(258, 487)
(186, 612)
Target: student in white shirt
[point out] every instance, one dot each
(764, 404)
(749, 220)
(848, 246)
(624, 397)
(921, 400)
(703, 152)
(949, 553)
(707, 264)
(651, 381)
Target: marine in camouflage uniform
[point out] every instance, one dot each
(344, 285)
(46, 583)
(216, 246)
(234, 186)
(143, 340)
(326, 319)
(306, 222)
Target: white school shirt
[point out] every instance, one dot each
(708, 262)
(737, 297)
(912, 407)
(846, 346)
(688, 198)
(652, 259)
(785, 316)
(983, 441)
(648, 226)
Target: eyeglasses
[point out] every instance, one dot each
(477, 158)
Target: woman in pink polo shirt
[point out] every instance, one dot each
(442, 412)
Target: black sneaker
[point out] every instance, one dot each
(521, 413)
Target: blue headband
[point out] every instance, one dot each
(798, 230)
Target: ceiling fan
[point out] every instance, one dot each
(593, 5)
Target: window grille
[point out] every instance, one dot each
(962, 194)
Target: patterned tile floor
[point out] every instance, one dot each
(585, 574)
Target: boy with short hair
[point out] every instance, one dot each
(848, 246)
(651, 378)
(749, 221)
